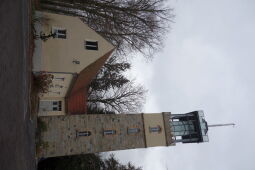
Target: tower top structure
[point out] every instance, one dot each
(189, 128)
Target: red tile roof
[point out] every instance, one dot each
(77, 97)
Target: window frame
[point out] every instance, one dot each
(109, 132)
(58, 34)
(155, 129)
(133, 130)
(85, 133)
(88, 45)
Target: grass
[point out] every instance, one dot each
(34, 99)
(40, 144)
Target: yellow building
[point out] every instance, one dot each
(73, 57)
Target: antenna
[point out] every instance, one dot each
(226, 124)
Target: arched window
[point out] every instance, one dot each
(133, 130)
(109, 132)
(155, 129)
(83, 133)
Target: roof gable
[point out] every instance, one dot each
(70, 54)
(77, 96)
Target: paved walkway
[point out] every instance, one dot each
(16, 128)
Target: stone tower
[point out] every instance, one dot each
(80, 134)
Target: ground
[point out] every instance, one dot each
(16, 124)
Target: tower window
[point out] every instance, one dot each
(133, 130)
(109, 132)
(91, 45)
(83, 133)
(59, 32)
(155, 129)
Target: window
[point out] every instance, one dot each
(50, 105)
(109, 132)
(133, 130)
(155, 129)
(58, 86)
(59, 78)
(91, 45)
(59, 33)
(55, 92)
(178, 138)
(57, 105)
(83, 133)
(180, 128)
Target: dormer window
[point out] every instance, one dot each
(109, 132)
(59, 32)
(155, 129)
(91, 45)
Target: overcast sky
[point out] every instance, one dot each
(208, 63)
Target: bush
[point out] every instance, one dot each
(42, 82)
(41, 127)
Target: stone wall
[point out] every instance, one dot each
(61, 134)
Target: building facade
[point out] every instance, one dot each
(72, 53)
(81, 134)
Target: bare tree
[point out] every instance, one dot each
(130, 25)
(127, 98)
(111, 92)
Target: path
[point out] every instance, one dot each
(16, 128)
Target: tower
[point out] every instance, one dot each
(80, 134)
